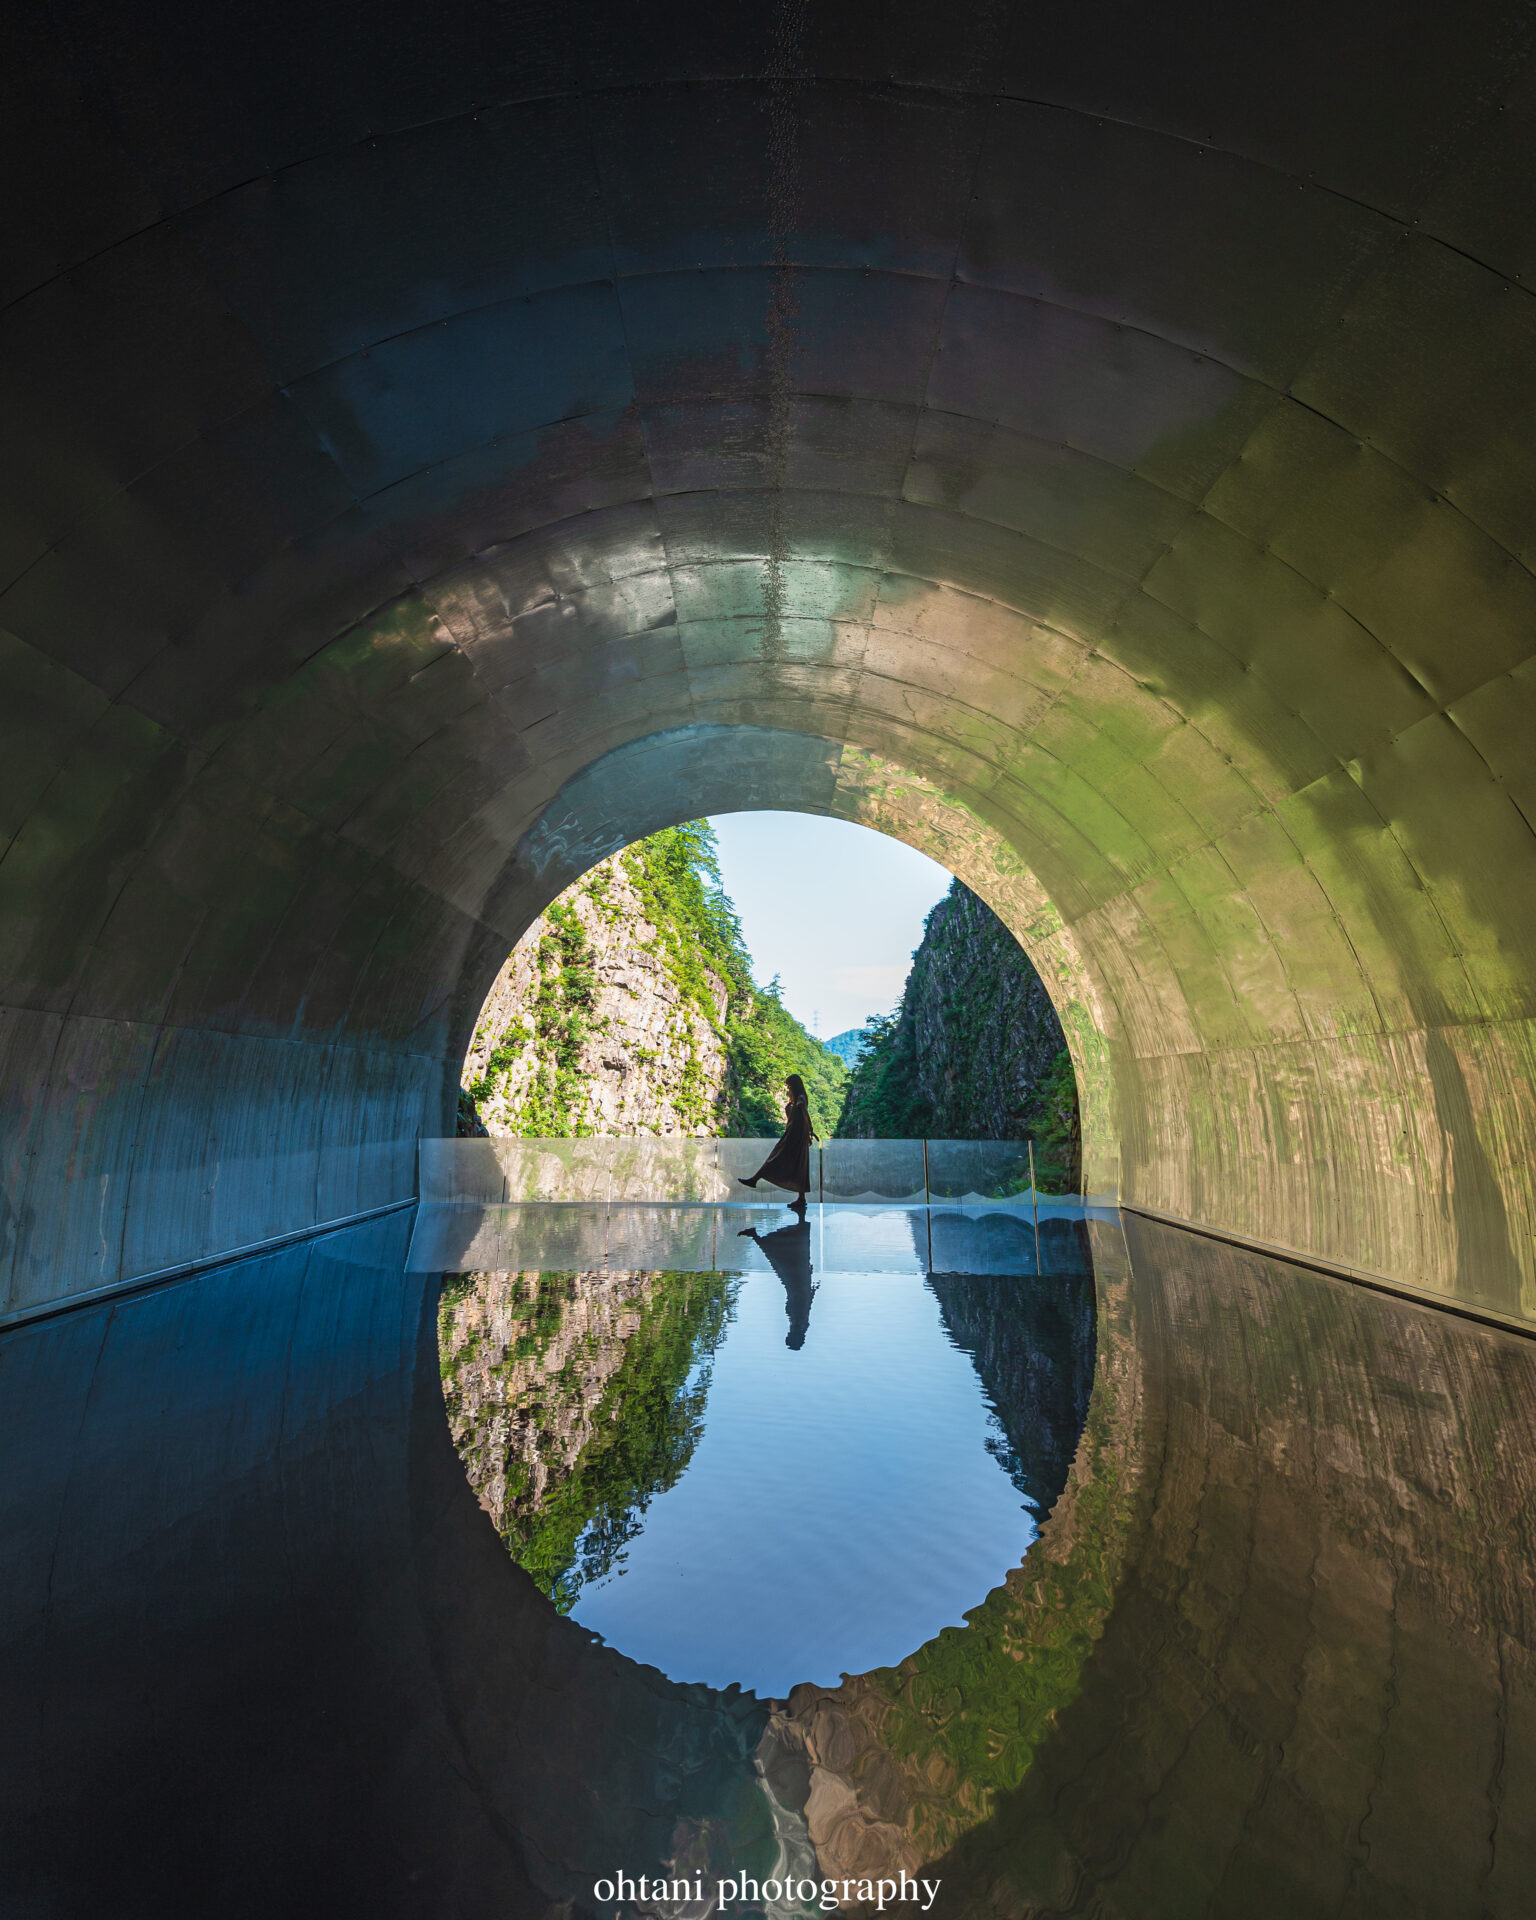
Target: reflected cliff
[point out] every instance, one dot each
(678, 1466)
(1033, 1352)
(573, 1400)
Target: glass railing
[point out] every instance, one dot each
(872, 1172)
(684, 1170)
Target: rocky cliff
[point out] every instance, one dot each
(590, 1029)
(630, 1007)
(974, 1051)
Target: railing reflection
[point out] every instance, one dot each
(595, 1236)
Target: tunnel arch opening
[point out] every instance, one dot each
(1233, 1046)
(654, 780)
(1096, 441)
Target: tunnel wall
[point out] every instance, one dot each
(1099, 455)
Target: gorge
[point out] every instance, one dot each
(630, 1007)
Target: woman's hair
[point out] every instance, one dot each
(796, 1085)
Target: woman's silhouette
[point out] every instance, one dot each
(789, 1165)
(789, 1254)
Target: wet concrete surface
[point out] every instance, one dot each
(1274, 1651)
(264, 1653)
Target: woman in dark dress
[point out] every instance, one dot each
(789, 1165)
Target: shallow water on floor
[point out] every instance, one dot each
(268, 1654)
(775, 1475)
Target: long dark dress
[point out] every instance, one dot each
(789, 1165)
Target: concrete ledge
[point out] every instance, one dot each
(1358, 1276)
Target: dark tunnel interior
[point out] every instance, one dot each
(1096, 447)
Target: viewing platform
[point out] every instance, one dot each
(492, 1205)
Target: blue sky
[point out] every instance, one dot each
(832, 908)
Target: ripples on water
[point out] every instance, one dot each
(779, 1473)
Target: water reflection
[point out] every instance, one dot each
(575, 1399)
(721, 1500)
(1272, 1653)
(1036, 1366)
(788, 1252)
(1265, 1654)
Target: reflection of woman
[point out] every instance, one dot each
(789, 1165)
(789, 1254)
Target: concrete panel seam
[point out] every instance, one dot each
(190, 1269)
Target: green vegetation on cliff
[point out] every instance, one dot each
(632, 1007)
(677, 873)
(766, 1044)
(694, 938)
(973, 1051)
(558, 1020)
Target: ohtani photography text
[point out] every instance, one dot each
(743, 1891)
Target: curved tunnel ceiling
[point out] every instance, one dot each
(1099, 449)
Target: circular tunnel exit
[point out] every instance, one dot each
(747, 1441)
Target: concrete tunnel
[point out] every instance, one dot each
(1096, 446)
(441, 451)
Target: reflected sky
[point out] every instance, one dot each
(841, 1506)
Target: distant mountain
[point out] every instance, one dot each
(848, 1046)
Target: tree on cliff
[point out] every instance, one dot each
(703, 1047)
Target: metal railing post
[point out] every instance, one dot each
(928, 1204)
(1034, 1200)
